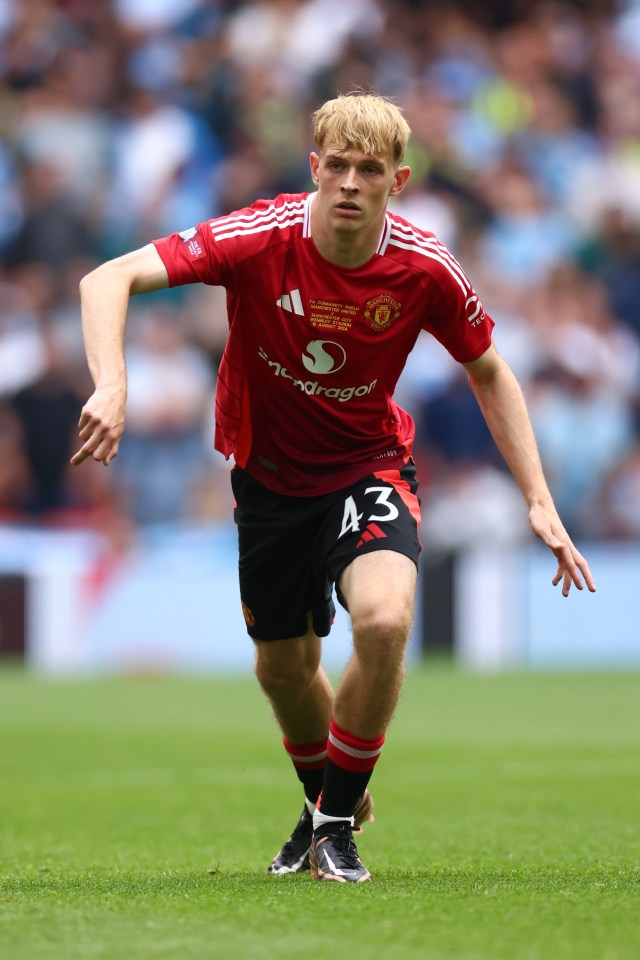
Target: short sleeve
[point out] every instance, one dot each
(456, 316)
(191, 257)
(213, 251)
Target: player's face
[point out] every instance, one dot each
(354, 187)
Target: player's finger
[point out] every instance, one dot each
(573, 574)
(93, 425)
(96, 446)
(589, 580)
(80, 456)
(85, 417)
(566, 560)
(583, 566)
(112, 454)
(86, 431)
(562, 574)
(103, 449)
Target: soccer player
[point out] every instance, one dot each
(327, 293)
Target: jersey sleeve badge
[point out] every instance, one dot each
(190, 239)
(474, 311)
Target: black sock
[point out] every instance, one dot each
(312, 781)
(342, 789)
(308, 760)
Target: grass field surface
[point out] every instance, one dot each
(138, 816)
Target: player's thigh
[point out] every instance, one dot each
(275, 564)
(379, 589)
(373, 550)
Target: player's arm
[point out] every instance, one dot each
(503, 406)
(104, 298)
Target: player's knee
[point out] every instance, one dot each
(383, 630)
(279, 677)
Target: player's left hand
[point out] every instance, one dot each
(572, 566)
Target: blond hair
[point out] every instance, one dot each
(362, 121)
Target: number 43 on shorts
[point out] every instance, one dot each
(351, 518)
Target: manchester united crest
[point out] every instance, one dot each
(248, 615)
(380, 312)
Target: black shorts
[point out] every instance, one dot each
(293, 549)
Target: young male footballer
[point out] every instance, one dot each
(327, 293)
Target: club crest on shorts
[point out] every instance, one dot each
(250, 620)
(380, 312)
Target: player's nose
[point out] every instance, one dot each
(350, 181)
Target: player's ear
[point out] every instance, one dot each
(400, 180)
(314, 163)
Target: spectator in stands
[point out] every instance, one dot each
(525, 120)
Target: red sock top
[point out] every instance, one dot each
(351, 752)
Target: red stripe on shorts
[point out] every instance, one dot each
(404, 491)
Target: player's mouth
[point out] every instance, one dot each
(348, 208)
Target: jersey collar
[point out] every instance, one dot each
(384, 234)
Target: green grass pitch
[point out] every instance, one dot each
(137, 817)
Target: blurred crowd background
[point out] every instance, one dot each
(125, 120)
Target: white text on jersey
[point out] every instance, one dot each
(313, 389)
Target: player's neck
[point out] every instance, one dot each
(349, 249)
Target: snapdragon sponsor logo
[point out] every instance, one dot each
(313, 388)
(324, 356)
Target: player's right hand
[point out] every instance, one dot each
(101, 426)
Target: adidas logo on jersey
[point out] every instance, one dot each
(372, 532)
(291, 302)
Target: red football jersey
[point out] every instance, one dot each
(304, 398)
